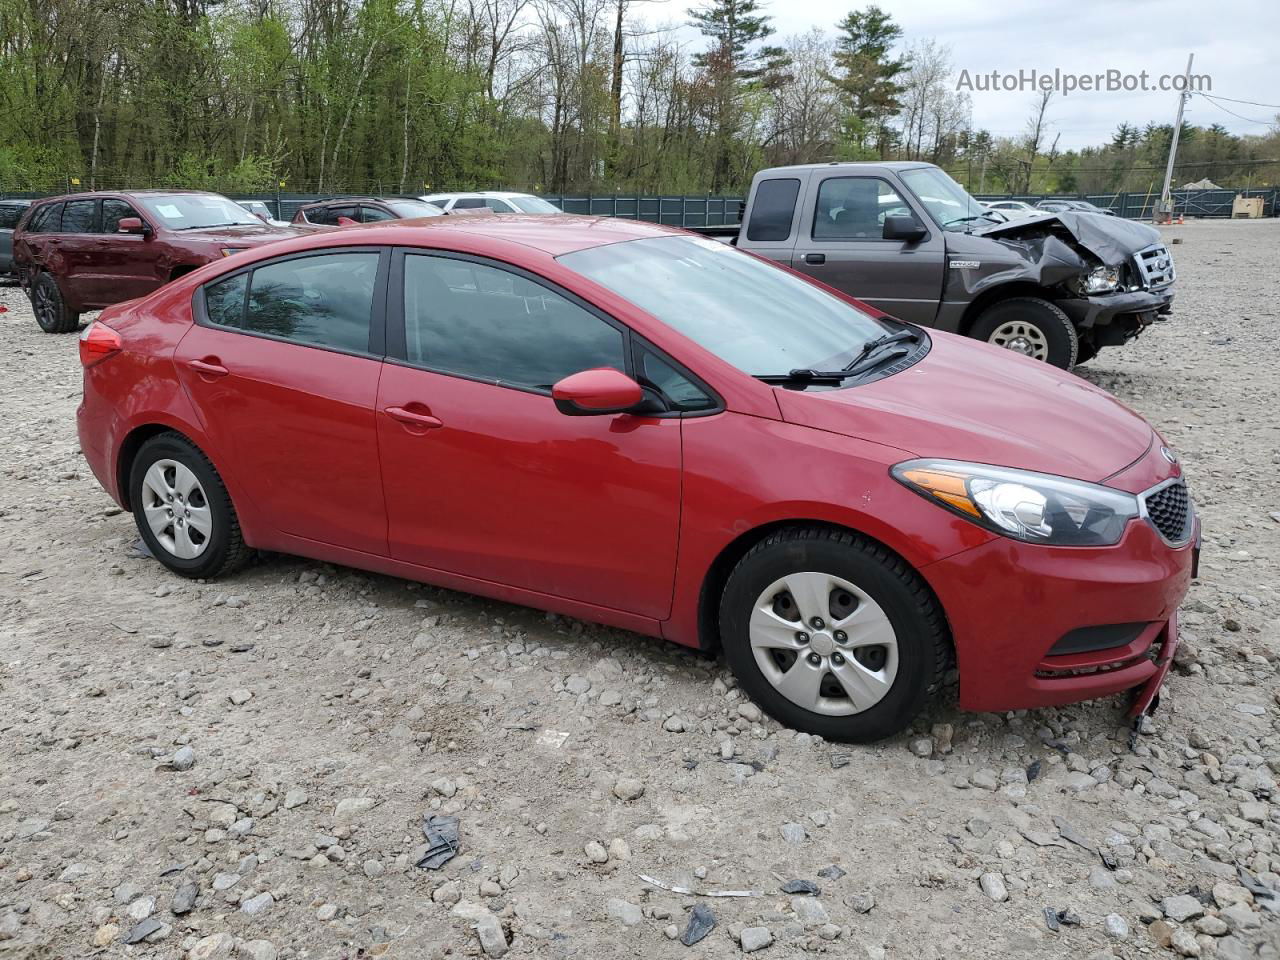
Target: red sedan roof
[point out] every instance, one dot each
(551, 235)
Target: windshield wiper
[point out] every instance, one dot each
(976, 216)
(210, 226)
(871, 346)
(872, 354)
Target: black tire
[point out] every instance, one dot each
(225, 550)
(1053, 326)
(915, 615)
(50, 308)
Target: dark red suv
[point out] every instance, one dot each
(90, 250)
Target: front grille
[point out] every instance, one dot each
(1155, 266)
(1169, 508)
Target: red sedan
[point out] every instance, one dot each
(633, 425)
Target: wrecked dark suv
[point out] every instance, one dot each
(908, 240)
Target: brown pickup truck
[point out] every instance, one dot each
(86, 251)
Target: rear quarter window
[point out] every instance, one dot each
(773, 210)
(45, 218)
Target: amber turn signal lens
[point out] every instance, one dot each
(947, 487)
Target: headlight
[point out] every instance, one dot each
(1100, 280)
(1033, 507)
(228, 251)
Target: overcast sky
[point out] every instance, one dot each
(1234, 42)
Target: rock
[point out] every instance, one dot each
(447, 893)
(793, 833)
(1116, 927)
(225, 881)
(444, 787)
(809, 911)
(992, 885)
(628, 914)
(183, 759)
(352, 808)
(295, 798)
(595, 851)
(184, 899)
(106, 935)
(258, 950)
(493, 941)
(328, 911)
(673, 724)
(754, 938)
(619, 849)
(701, 922)
(1213, 926)
(1182, 908)
(628, 788)
(215, 947)
(1240, 917)
(1184, 943)
(921, 747)
(750, 712)
(240, 697)
(577, 685)
(1161, 932)
(260, 904)
(141, 908)
(862, 902)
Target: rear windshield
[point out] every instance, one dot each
(533, 205)
(415, 208)
(191, 211)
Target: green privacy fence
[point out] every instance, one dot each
(703, 211)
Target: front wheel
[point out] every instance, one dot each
(50, 308)
(1032, 327)
(183, 510)
(832, 634)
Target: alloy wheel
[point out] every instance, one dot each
(823, 643)
(1021, 337)
(177, 509)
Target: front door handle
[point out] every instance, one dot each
(815, 258)
(208, 368)
(412, 418)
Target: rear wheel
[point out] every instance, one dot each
(1031, 326)
(183, 510)
(50, 308)
(832, 634)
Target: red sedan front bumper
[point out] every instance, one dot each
(1009, 603)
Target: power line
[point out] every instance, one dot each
(1263, 123)
(1252, 103)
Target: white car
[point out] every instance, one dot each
(1013, 209)
(260, 210)
(499, 201)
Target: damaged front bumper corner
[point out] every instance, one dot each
(1133, 310)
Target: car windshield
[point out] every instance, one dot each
(950, 204)
(415, 208)
(533, 205)
(763, 320)
(190, 211)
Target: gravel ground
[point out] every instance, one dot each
(242, 768)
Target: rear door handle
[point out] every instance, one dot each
(413, 419)
(815, 258)
(208, 368)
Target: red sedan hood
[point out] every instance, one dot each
(970, 401)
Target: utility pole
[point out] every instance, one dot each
(1164, 212)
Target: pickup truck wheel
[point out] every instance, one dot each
(832, 634)
(49, 307)
(1031, 326)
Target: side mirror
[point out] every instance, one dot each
(132, 225)
(600, 392)
(908, 229)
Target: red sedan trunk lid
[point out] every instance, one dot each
(971, 401)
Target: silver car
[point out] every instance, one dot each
(499, 201)
(11, 212)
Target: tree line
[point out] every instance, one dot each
(549, 95)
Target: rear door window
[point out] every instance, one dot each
(80, 216)
(773, 210)
(375, 214)
(469, 203)
(45, 219)
(322, 301)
